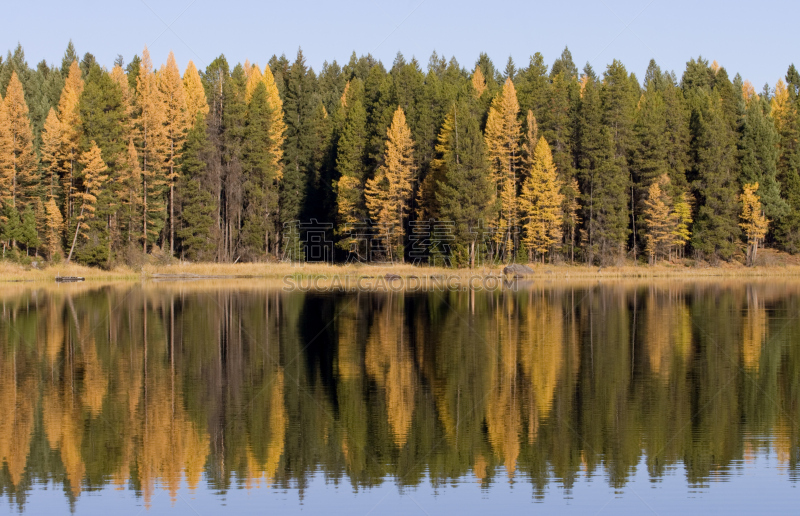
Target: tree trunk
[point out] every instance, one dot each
(75, 238)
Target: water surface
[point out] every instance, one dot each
(189, 398)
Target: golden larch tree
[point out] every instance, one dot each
(196, 103)
(6, 153)
(277, 129)
(681, 219)
(152, 141)
(754, 222)
(541, 203)
(658, 222)
(254, 76)
(389, 192)
(70, 119)
(25, 177)
(93, 177)
(53, 230)
(502, 136)
(176, 124)
(478, 82)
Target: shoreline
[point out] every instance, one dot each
(15, 273)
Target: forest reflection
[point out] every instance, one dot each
(166, 385)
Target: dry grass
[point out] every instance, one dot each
(771, 264)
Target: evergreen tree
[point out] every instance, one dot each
(759, 154)
(9, 226)
(786, 117)
(92, 177)
(351, 146)
(714, 148)
(197, 205)
(298, 143)
(259, 233)
(28, 235)
(466, 193)
(52, 156)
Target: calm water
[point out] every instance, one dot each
(669, 397)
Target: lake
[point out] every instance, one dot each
(612, 396)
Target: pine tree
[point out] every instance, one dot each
(260, 188)
(25, 179)
(176, 124)
(28, 235)
(350, 153)
(714, 232)
(759, 154)
(465, 194)
(92, 177)
(786, 117)
(9, 226)
(541, 203)
(388, 194)
(299, 117)
(618, 97)
(52, 156)
(754, 221)
(502, 137)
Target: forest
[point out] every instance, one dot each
(539, 163)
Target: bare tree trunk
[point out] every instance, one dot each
(75, 238)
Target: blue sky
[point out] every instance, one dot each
(757, 40)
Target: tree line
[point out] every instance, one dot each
(534, 163)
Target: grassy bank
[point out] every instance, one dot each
(772, 263)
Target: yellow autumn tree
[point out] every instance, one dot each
(152, 144)
(93, 177)
(25, 177)
(681, 218)
(53, 228)
(6, 153)
(541, 202)
(389, 192)
(71, 132)
(754, 222)
(196, 103)
(502, 137)
(277, 128)
(478, 82)
(176, 124)
(658, 221)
